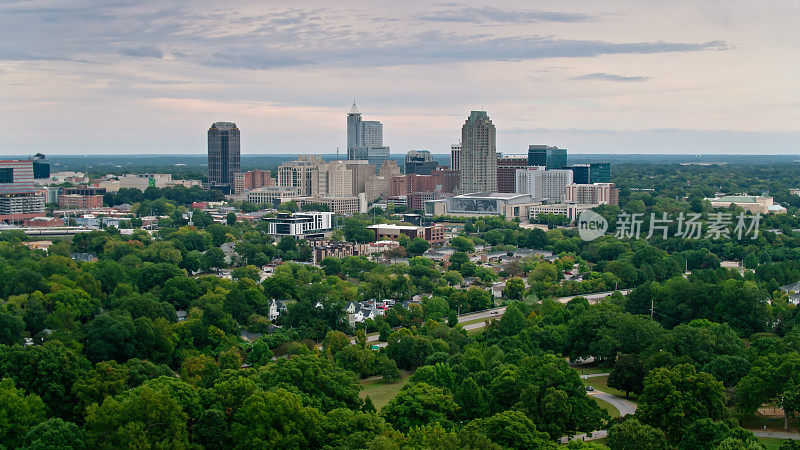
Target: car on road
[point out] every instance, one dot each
(589, 388)
(495, 312)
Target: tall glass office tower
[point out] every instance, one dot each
(224, 154)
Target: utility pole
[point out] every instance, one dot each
(652, 303)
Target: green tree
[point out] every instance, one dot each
(514, 289)
(418, 246)
(55, 434)
(143, 417)
(511, 429)
(230, 219)
(462, 244)
(674, 398)
(276, 419)
(420, 404)
(634, 435)
(11, 328)
(211, 431)
(628, 374)
(213, 258)
(18, 413)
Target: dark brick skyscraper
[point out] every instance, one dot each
(223, 155)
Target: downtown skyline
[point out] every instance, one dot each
(614, 78)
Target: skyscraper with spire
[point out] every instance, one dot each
(478, 156)
(365, 139)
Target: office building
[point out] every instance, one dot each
(489, 204)
(362, 171)
(339, 205)
(455, 156)
(420, 162)
(305, 224)
(272, 195)
(600, 172)
(590, 173)
(20, 198)
(365, 139)
(380, 185)
(445, 180)
(580, 173)
(549, 184)
(41, 167)
(244, 181)
(478, 159)
(592, 194)
(302, 174)
(335, 180)
(223, 155)
(754, 204)
(549, 157)
(507, 172)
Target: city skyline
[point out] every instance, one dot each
(621, 77)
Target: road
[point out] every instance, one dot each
(624, 407)
(496, 313)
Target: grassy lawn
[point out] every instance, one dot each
(381, 392)
(601, 384)
(771, 443)
(612, 411)
(475, 331)
(467, 322)
(590, 369)
(773, 423)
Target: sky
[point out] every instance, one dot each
(618, 76)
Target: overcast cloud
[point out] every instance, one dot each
(150, 76)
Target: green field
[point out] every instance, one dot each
(381, 392)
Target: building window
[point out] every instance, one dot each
(7, 175)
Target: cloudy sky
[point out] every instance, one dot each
(618, 76)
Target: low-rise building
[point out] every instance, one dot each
(760, 204)
(508, 205)
(433, 234)
(272, 195)
(305, 224)
(338, 205)
(324, 248)
(570, 210)
(77, 201)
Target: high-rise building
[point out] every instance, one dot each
(41, 166)
(507, 172)
(549, 157)
(380, 185)
(335, 180)
(549, 184)
(478, 159)
(362, 171)
(455, 156)
(223, 155)
(592, 194)
(365, 139)
(302, 174)
(420, 162)
(244, 181)
(591, 173)
(600, 172)
(19, 196)
(580, 173)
